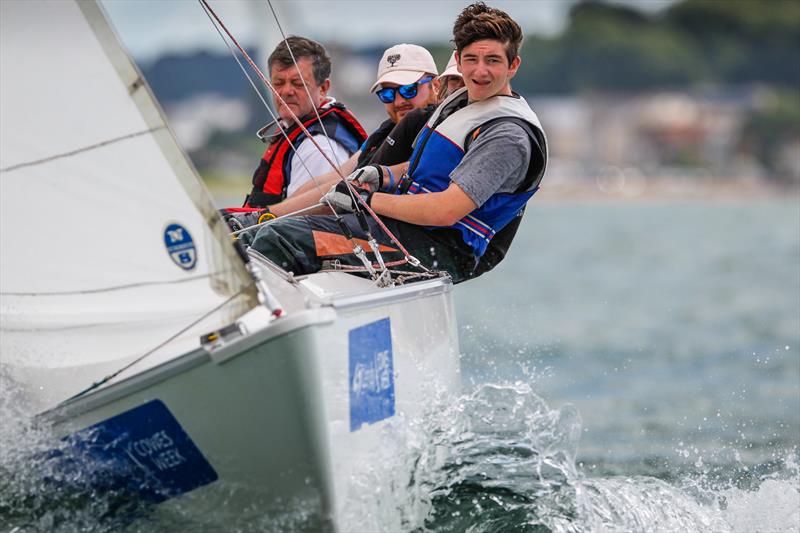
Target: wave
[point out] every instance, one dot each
(496, 459)
(512, 467)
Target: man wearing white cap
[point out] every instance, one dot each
(407, 80)
(402, 74)
(399, 142)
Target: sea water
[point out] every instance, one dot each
(673, 330)
(628, 367)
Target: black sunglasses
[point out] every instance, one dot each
(408, 92)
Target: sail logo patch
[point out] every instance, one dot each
(180, 246)
(371, 374)
(143, 451)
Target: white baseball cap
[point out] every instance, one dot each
(403, 64)
(452, 68)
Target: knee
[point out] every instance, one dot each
(271, 242)
(265, 240)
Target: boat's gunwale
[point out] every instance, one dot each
(395, 294)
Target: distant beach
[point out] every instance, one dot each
(229, 193)
(666, 189)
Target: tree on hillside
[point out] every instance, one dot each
(613, 47)
(742, 40)
(609, 47)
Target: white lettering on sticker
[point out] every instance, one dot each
(158, 448)
(382, 370)
(372, 378)
(157, 442)
(168, 459)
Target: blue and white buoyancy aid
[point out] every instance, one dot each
(439, 148)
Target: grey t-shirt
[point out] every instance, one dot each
(497, 161)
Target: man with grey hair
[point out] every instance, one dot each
(299, 71)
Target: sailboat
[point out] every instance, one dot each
(165, 363)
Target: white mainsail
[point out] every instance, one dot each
(109, 243)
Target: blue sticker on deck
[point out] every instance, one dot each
(371, 374)
(180, 246)
(144, 451)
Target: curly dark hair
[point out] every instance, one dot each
(302, 47)
(478, 21)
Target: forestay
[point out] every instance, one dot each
(109, 243)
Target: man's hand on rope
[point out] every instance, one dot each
(369, 177)
(340, 199)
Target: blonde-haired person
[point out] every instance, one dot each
(451, 79)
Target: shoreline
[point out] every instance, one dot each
(229, 193)
(655, 190)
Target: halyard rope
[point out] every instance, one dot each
(277, 121)
(275, 118)
(305, 85)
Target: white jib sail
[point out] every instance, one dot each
(109, 243)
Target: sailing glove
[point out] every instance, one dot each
(340, 199)
(369, 177)
(238, 220)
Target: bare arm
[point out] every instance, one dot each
(310, 193)
(302, 200)
(329, 177)
(397, 172)
(433, 209)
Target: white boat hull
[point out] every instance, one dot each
(283, 420)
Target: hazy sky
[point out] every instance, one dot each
(150, 27)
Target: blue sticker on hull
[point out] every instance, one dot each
(144, 451)
(371, 374)
(180, 246)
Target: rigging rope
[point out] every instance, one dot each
(115, 287)
(81, 150)
(356, 247)
(408, 257)
(305, 85)
(275, 118)
(267, 222)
